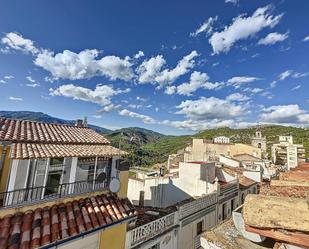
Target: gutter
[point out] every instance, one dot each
(57, 243)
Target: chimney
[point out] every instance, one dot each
(79, 123)
(85, 122)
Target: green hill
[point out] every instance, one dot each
(157, 152)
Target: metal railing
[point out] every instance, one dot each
(151, 229)
(35, 194)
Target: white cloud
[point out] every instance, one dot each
(15, 98)
(300, 75)
(296, 87)
(33, 85)
(197, 80)
(2, 81)
(211, 108)
(97, 116)
(306, 38)
(237, 97)
(139, 55)
(144, 118)
(8, 77)
(100, 95)
(253, 90)
(273, 38)
(285, 114)
(232, 1)
(29, 78)
(17, 42)
(169, 90)
(109, 108)
(285, 74)
(243, 28)
(150, 70)
(134, 106)
(84, 65)
(206, 27)
(238, 81)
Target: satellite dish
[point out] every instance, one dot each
(114, 185)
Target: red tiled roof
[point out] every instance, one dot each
(15, 130)
(284, 191)
(33, 150)
(245, 181)
(41, 227)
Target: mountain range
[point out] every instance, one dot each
(147, 147)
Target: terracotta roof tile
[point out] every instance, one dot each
(39, 227)
(32, 150)
(245, 181)
(15, 130)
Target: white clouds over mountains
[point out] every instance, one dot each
(101, 95)
(150, 71)
(243, 27)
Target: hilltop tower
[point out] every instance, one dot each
(258, 140)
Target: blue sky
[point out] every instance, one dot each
(171, 66)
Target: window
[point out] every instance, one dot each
(199, 228)
(156, 246)
(232, 204)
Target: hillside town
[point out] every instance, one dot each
(65, 186)
(154, 124)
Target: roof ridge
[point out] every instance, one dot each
(41, 122)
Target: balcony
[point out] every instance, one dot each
(21, 197)
(145, 232)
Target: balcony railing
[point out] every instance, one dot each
(24, 196)
(151, 229)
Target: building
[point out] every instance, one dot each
(222, 140)
(205, 150)
(201, 196)
(61, 186)
(282, 220)
(287, 153)
(259, 141)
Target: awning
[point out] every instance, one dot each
(39, 150)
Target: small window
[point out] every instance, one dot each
(156, 246)
(199, 228)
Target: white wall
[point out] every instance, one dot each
(166, 241)
(229, 161)
(188, 233)
(89, 242)
(254, 175)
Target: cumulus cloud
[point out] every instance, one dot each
(234, 2)
(206, 27)
(146, 119)
(238, 81)
(71, 65)
(18, 42)
(197, 80)
(211, 108)
(150, 71)
(237, 97)
(84, 65)
(285, 74)
(243, 27)
(285, 114)
(139, 55)
(8, 77)
(15, 98)
(101, 95)
(306, 38)
(273, 38)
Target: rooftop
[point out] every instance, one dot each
(15, 130)
(42, 140)
(226, 236)
(54, 224)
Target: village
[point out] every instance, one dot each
(65, 186)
